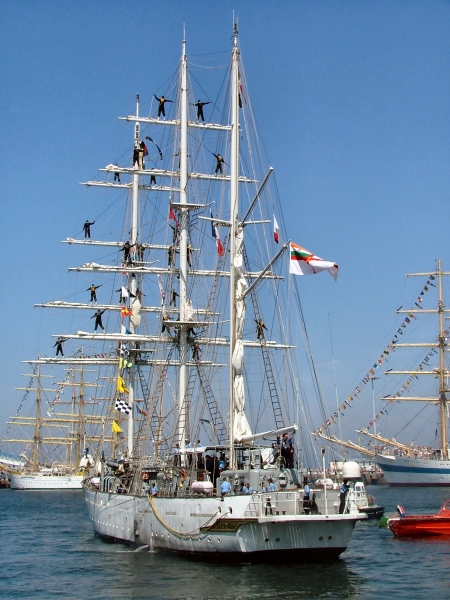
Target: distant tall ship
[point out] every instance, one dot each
(50, 442)
(404, 464)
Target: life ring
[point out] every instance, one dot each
(145, 476)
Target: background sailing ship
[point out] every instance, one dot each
(407, 462)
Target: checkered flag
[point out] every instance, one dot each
(122, 406)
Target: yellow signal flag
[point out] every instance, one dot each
(115, 427)
(121, 387)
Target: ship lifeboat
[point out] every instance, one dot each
(421, 525)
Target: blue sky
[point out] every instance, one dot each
(352, 101)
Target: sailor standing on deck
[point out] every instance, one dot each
(342, 494)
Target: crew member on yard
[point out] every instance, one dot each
(161, 108)
(87, 229)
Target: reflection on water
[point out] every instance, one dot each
(48, 550)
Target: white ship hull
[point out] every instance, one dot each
(38, 481)
(241, 528)
(404, 471)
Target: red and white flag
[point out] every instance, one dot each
(173, 216)
(215, 234)
(276, 229)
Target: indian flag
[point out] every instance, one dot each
(302, 262)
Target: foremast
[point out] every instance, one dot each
(441, 345)
(132, 287)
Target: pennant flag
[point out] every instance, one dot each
(126, 312)
(115, 427)
(161, 289)
(140, 411)
(153, 142)
(122, 406)
(124, 330)
(121, 387)
(276, 229)
(215, 234)
(304, 263)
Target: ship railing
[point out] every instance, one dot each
(274, 504)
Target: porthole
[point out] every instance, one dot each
(266, 539)
(277, 539)
(321, 538)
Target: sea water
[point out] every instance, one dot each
(48, 550)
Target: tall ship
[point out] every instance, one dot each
(406, 463)
(48, 433)
(197, 346)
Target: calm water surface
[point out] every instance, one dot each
(48, 550)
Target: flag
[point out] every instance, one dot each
(122, 406)
(276, 229)
(121, 387)
(126, 312)
(115, 427)
(140, 411)
(161, 289)
(215, 234)
(304, 263)
(124, 363)
(173, 216)
(144, 148)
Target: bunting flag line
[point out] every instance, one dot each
(122, 406)
(115, 427)
(215, 235)
(121, 387)
(384, 357)
(302, 262)
(276, 229)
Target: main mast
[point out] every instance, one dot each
(183, 250)
(234, 209)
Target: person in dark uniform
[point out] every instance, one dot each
(92, 289)
(200, 106)
(219, 163)
(59, 345)
(260, 329)
(196, 351)
(87, 229)
(161, 108)
(171, 256)
(116, 174)
(173, 298)
(152, 180)
(126, 251)
(342, 494)
(98, 319)
(287, 450)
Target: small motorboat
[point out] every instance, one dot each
(421, 525)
